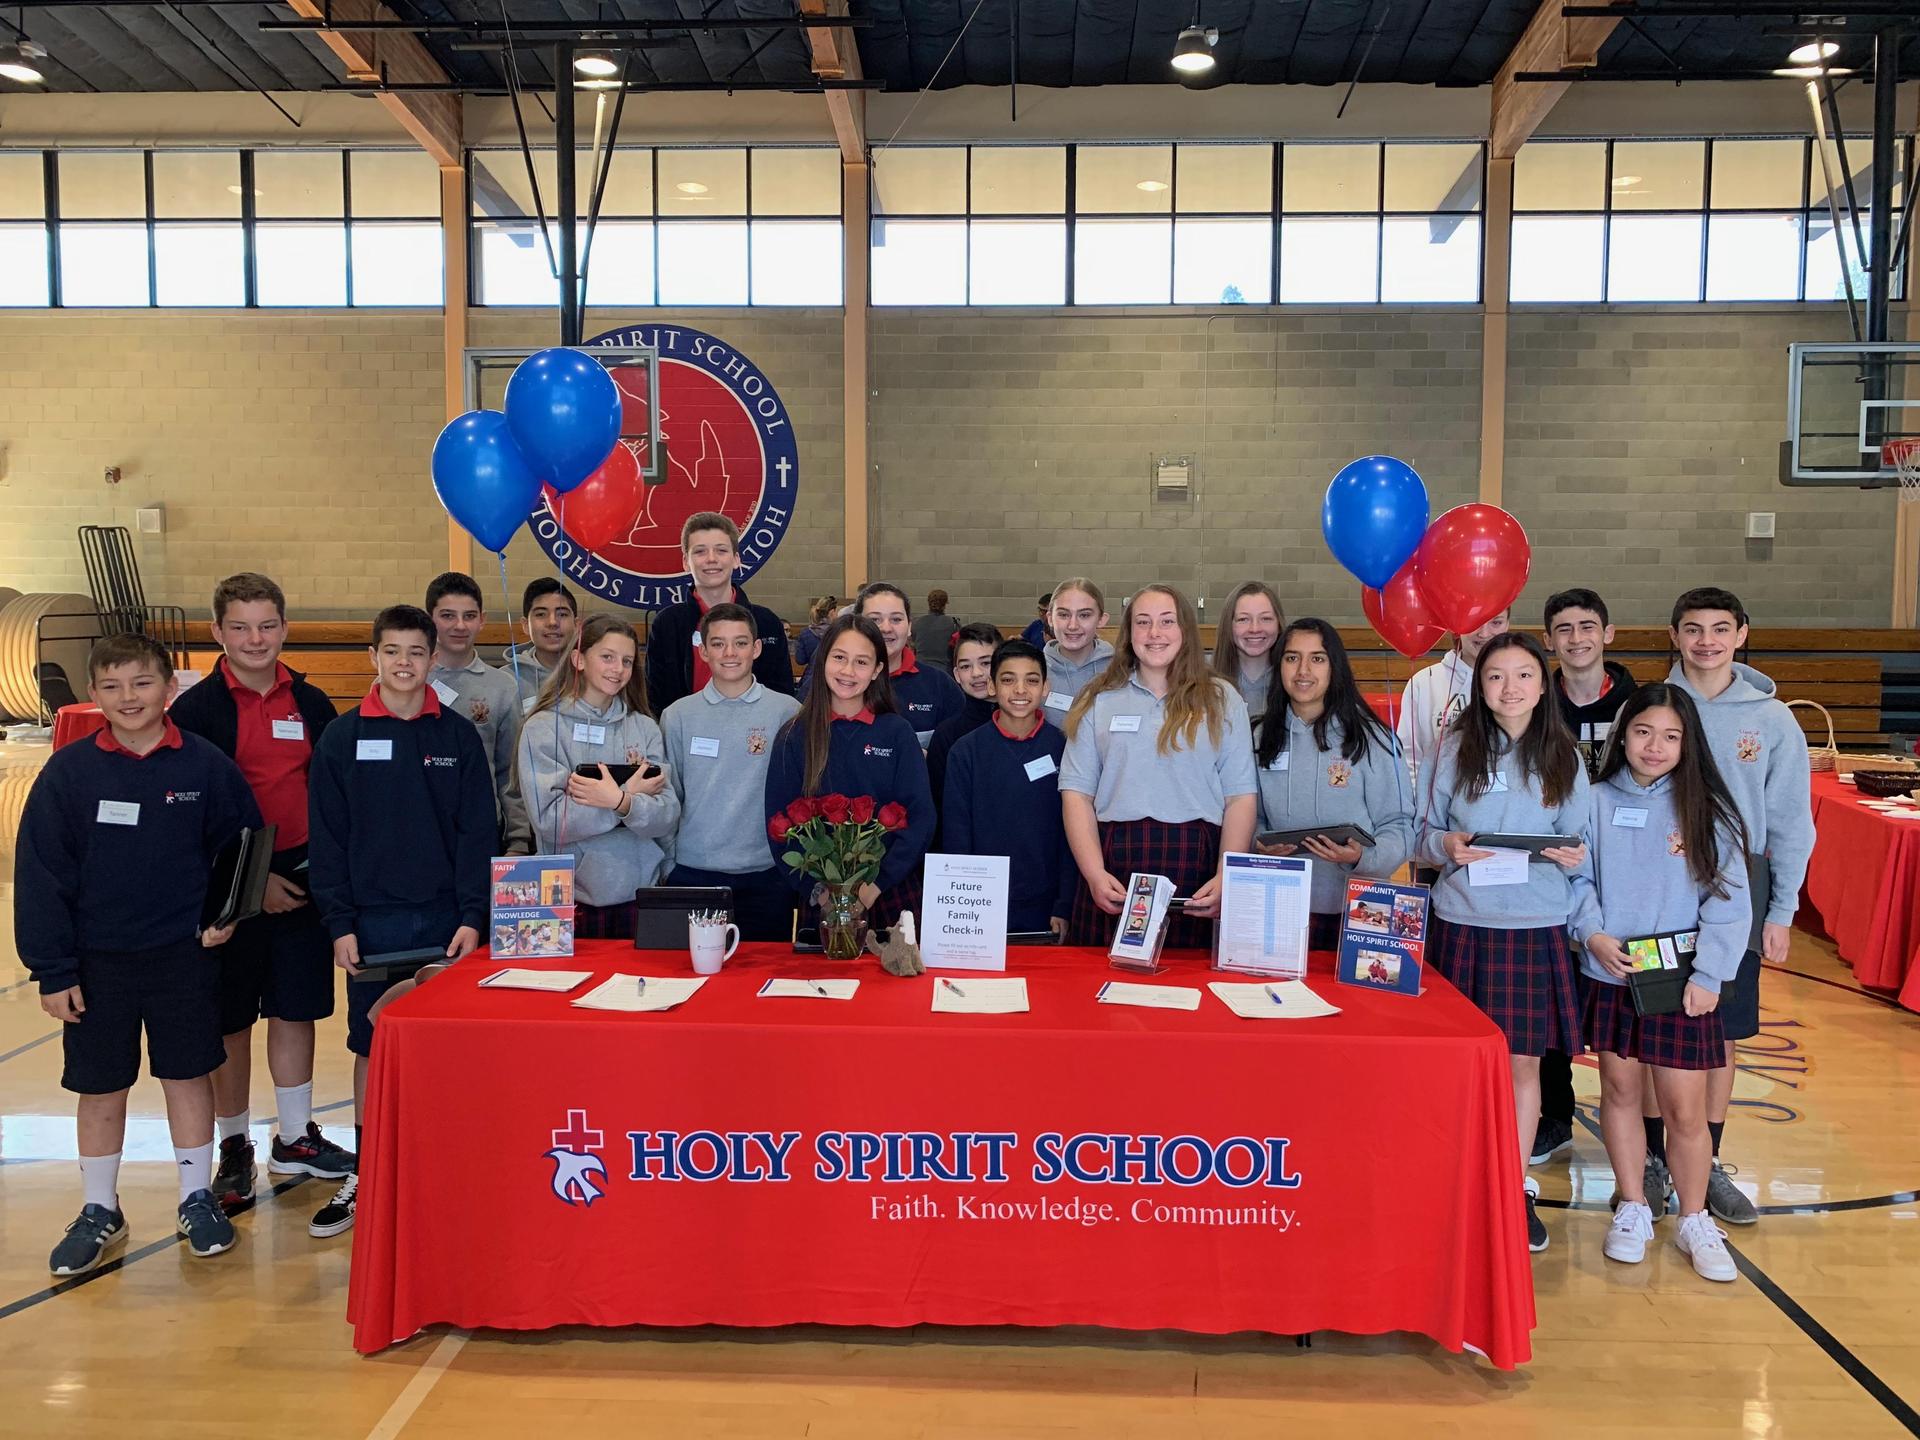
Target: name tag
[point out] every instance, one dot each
(1499, 785)
(1279, 761)
(1059, 700)
(1628, 818)
(587, 734)
(526, 705)
(1041, 768)
(373, 750)
(446, 692)
(118, 812)
(705, 745)
(289, 730)
(1125, 724)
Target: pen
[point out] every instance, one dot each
(639, 984)
(953, 987)
(1271, 996)
(1103, 990)
(818, 988)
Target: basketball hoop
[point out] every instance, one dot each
(1903, 458)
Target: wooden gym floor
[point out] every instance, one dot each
(1820, 1336)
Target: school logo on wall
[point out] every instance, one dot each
(729, 447)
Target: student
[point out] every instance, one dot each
(1669, 857)
(973, 651)
(1508, 766)
(819, 614)
(548, 614)
(719, 744)
(1038, 631)
(593, 712)
(1243, 648)
(848, 739)
(933, 633)
(467, 685)
(676, 668)
(116, 842)
(1762, 755)
(1590, 690)
(1324, 758)
(1158, 774)
(1076, 653)
(266, 718)
(1003, 794)
(401, 835)
(1437, 694)
(926, 697)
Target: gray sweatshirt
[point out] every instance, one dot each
(531, 677)
(1065, 680)
(1514, 807)
(1308, 786)
(1642, 885)
(612, 857)
(487, 697)
(1762, 753)
(717, 755)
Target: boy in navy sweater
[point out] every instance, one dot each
(1003, 794)
(401, 836)
(117, 841)
(973, 650)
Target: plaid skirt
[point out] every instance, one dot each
(1674, 1042)
(605, 922)
(1522, 980)
(1188, 854)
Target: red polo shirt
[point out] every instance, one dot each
(275, 764)
(862, 716)
(909, 662)
(169, 740)
(375, 707)
(701, 674)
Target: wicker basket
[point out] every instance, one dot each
(1900, 764)
(1820, 757)
(1885, 784)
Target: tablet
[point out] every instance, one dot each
(660, 912)
(401, 964)
(1337, 834)
(620, 773)
(1532, 844)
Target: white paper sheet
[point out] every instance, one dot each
(1501, 867)
(1149, 997)
(808, 989)
(1276, 1000)
(634, 995)
(973, 996)
(558, 981)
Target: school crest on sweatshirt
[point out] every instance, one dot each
(1676, 843)
(1747, 748)
(479, 711)
(756, 741)
(1338, 773)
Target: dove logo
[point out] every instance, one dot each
(574, 1169)
(729, 446)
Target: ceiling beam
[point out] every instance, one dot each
(1553, 41)
(836, 57)
(433, 119)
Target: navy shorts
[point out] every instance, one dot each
(1739, 1010)
(277, 966)
(383, 932)
(172, 992)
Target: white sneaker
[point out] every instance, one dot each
(1704, 1242)
(1632, 1229)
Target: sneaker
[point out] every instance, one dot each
(1656, 1183)
(1550, 1138)
(233, 1181)
(1726, 1200)
(1704, 1243)
(94, 1231)
(1536, 1227)
(1632, 1228)
(205, 1224)
(336, 1216)
(311, 1154)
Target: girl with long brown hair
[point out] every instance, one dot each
(1158, 771)
(1243, 648)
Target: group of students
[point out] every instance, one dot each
(1080, 760)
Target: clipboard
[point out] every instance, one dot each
(237, 887)
(1337, 834)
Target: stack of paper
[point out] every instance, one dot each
(634, 993)
(1501, 867)
(1277, 1000)
(979, 997)
(1151, 997)
(558, 981)
(808, 989)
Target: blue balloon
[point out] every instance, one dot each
(564, 410)
(483, 479)
(1374, 516)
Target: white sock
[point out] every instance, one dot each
(296, 1109)
(100, 1180)
(196, 1168)
(232, 1125)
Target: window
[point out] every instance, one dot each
(919, 262)
(960, 225)
(1123, 225)
(24, 252)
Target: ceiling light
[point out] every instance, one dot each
(1813, 54)
(595, 64)
(1193, 51)
(691, 187)
(1152, 187)
(1809, 72)
(19, 61)
(605, 82)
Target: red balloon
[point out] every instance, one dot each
(1399, 613)
(1471, 565)
(603, 506)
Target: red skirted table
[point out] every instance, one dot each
(76, 722)
(746, 1161)
(1863, 884)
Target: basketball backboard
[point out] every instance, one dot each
(633, 369)
(1845, 402)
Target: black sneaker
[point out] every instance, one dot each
(94, 1231)
(233, 1181)
(205, 1224)
(1550, 1138)
(336, 1216)
(311, 1154)
(1536, 1228)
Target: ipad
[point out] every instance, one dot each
(400, 964)
(1338, 834)
(620, 773)
(660, 912)
(1532, 844)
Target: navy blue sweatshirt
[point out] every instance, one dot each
(400, 814)
(878, 757)
(670, 650)
(115, 849)
(1003, 798)
(973, 714)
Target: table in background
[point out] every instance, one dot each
(1398, 1114)
(76, 722)
(1863, 887)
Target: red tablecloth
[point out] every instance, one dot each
(1388, 1127)
(1386, 706)
(1863, 882)
(76, 722)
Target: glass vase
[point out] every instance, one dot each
(843, 922)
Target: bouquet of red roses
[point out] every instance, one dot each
(841, 839)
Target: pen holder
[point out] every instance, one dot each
(711, 944)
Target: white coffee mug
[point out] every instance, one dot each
(712, 946)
